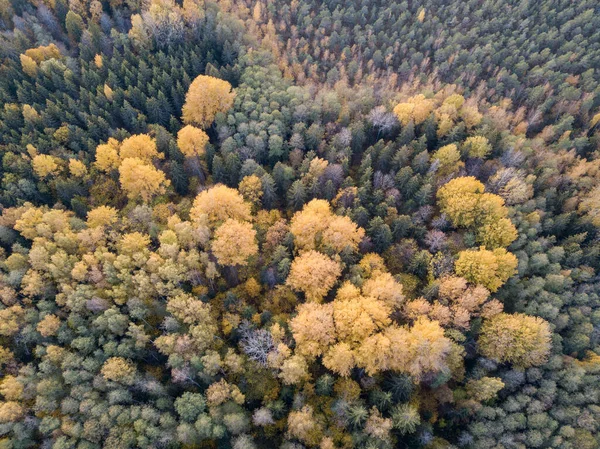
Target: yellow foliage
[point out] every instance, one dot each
(485, 388)
(192, 141)
(590, 206)
(31, 115)
(294, 370)
(302, 425)
(359, 317)
(28, 65)
(488, 268)
(133, 242)
(218, 204)
(465, 202)
(107, 155)
(77, 168)
(340, 359)
(478, 146)
(234, 243)
(11, 388)
(516, 338)
(44, 165)
(98, 61)
(206, 97)
(10, 412)
(313, 329)
(415, 109)
(140, 146)
(118, 369)
(101, 216)
(421, 15)
(384, 287)
(313, 274)
(316, 227)
(141, 180)
(459, 199)
(48, 325)
(251, 189)
(449, 159)
(43, 53)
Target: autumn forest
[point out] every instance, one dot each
(296, 224)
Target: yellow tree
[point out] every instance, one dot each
(478, 146)
(77, 168)
(192, 141)
(119, 370)
(488, 268)
(107, 155)
(44, 165)
(313, 329)
(234, 243)
(206, 97)
(251, 189)
(449, 159)
(466, 203)
(515, 338)
(313, 274)
(141, 180)
(316, 227)
(219, 203)
(458, 199)
(140, 146)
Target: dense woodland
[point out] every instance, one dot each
(299, 224)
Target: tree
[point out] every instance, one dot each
(218, 204)
(485, 388)
(206, 97)
(313, 329)
(119, 370)
(192, 141)
(140, 146)
(234, 243)
(74, 25)
(466, 203)
(44, 165)
(488, 268)
(515, 338)
(314, 274)
(102, 216)
(340, 359)
(478, 146)
(449, 159)
(315, 227)
(141, 180)
(77, 168)
(107, 155)
(251, 188)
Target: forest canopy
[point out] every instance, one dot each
(299, 224)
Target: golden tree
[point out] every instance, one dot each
(313, 329)
(192, 141)
(488, 268)
(120, 370)
(140, 146)
(44, 165)
(206, 97)
(141, 180)
(218, 204)
(107, 155)
(516, 338)
(313, 274)
(234, 243)
(316, 227)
